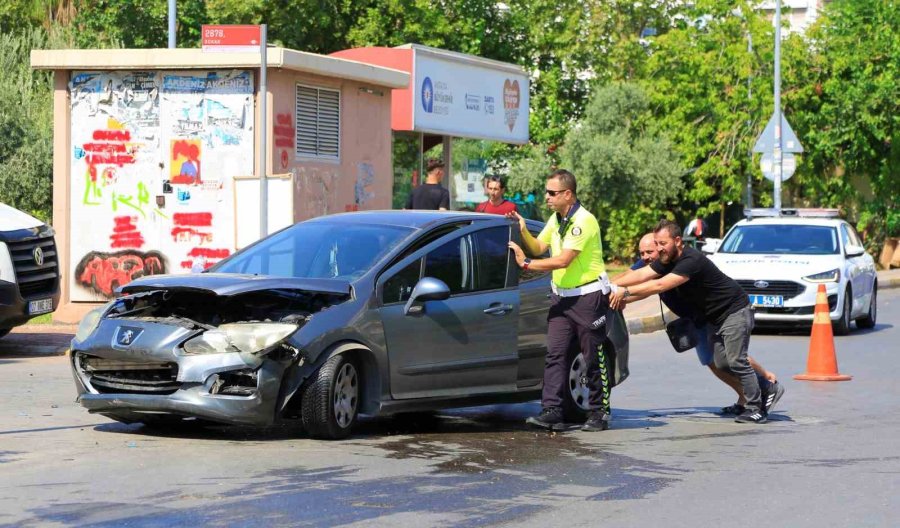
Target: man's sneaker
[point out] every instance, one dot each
(771, 396)
(596, 421)
(550, 418)
(749, 416)
(732, 410)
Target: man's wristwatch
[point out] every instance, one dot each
(526, 263)
(626, 293)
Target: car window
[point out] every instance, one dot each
(450, 263)
(781, 239)
(399, 287)
(852, 235)
(845, 236)
(528, 275)
(317, 250)
(277, 260)
(491, 257)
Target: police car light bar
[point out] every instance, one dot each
(760, 212)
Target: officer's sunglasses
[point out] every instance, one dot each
(551, 192)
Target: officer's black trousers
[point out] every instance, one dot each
(582, 318)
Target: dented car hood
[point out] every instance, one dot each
(228, 284)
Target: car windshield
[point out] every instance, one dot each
(782, 239)
(320, 250)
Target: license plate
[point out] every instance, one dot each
(767, 300)
(40, 306)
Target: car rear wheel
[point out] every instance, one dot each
(869, 320)
(331, 399)
(842, 325)
(576, 400)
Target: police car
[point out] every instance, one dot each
(781, 259)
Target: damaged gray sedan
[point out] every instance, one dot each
(369, 313)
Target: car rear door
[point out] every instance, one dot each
(467, 343)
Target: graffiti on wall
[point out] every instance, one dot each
(153, 152)
(365, 178)
(284, 138)
(104, 272)
(185, 162)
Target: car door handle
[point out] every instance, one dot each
(499, 309)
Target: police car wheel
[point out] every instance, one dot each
(842, 325)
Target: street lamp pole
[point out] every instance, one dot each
(777, 155)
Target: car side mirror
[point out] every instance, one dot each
(854, 251)
(427, 289)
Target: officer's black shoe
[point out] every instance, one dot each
(596, 421)
(771, 396)
(749, 416)
(550, 418)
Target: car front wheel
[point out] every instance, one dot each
(869, 320)
(331, 399)
(842, 325)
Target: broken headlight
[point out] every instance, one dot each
(239, 337)
(90, 321)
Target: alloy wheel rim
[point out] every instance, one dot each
(578, 383)
(346, 395)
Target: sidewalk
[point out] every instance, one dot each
(53, 339)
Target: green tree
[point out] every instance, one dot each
(26, 123)
(628, 174)
(848, 96)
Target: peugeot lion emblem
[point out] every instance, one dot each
(38, 255)
(127, 335)
(761, 284)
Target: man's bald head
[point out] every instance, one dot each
(647, 248)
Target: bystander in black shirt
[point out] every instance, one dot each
(676, 302)
(429, 196)
(708, 290)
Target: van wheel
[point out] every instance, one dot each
(842, 325)
(869, 320)
(331, 399)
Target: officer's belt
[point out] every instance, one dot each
(599, 285)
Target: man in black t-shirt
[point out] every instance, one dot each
(721, 301)
(679, 306)
(431, 194)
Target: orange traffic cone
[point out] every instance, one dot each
(821, 364)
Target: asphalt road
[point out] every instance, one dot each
(828, 457)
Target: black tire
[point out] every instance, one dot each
(4, 331)
(331, 399)
(868, 321)
(842, 325)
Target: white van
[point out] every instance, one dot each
(29, 268)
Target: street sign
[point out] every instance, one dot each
(230, 38)
(789, 142)
(788, 166)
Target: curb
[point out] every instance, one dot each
(654, 323)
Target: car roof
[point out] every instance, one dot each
(405, 218)
(792, 220)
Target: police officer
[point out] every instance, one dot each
(580, 301)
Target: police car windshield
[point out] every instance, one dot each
(319, 250)
(782, 239)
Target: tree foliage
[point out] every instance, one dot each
(625, 170)
(625, 93)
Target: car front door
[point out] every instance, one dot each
(463, 345)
